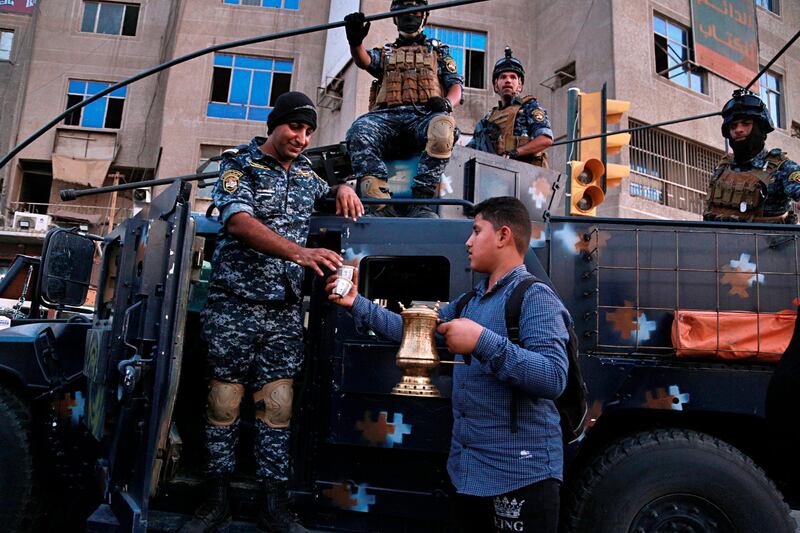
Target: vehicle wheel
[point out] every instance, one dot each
(674, 480)
(16, 464)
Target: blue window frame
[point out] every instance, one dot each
(770, 87)
(468, 48)
(103, 113)
(245, 87)
(278, 4)
(770, 5)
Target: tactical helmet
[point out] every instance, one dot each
(745, 104)
(398, 4)
(508, 64)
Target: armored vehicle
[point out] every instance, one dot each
(102, 405)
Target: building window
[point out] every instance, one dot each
(207, 151)
(103, 113)
(770, 87)
(6, 39)
(110, 18)
(670, 170)
(770, 5)
(246, 87)
(279, 4)
(674, 55)
(469, 51)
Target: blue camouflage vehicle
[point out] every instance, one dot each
(101, 408)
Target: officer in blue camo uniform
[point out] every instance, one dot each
(411, 100)
(755, 184)
(517, 127)
(252, 318)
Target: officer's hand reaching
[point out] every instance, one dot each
(461, 335)
(437, 104)
(513, 154)
(356, 28)
(317, 259)
(347, 202)
(347, 300)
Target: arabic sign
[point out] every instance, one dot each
(726, 38)
(17, 6)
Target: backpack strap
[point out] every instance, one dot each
(513, 312)
(460, 305)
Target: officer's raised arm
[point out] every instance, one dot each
(357, 29)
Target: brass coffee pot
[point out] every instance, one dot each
(417, 356)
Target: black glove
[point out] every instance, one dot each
(513, 154)
(356, 28)
(437, 104)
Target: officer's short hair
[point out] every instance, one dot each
(507, 211)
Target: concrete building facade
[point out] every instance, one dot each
(169, 124)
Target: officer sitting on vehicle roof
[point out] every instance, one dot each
(518, 127)
(755, 185)
(411, 99)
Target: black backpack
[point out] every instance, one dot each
(571, 404)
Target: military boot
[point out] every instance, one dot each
(422, 210)
(372, 187)
(275, 516)
(214, 512)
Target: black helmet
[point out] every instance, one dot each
(398, 4)
(508, 64)
(745, 104)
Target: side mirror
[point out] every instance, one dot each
(67, 264)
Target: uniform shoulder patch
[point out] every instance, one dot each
(794, 176)
(230, 180)
(538, 114)
(450, 65)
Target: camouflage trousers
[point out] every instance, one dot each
(375, 137)
(251, 344)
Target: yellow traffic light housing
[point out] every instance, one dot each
(586, 186)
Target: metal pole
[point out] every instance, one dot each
(774, 59)
(573, 95)
(603, 129)
(216, 48)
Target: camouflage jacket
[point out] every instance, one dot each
(531, 121)
(254, 183)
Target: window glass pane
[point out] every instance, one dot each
(271, 3)
(74, 118)
(110, 19)
(283, 66)
(220, 83)
(89, 16)
(251, 2)
(131, 17)
(661, 53)
(478, 41)
(659, 25)
(94, 114)
(223, 60)
(6, 38)
(475, 69)
(94, 87)
(77, 87)
(253, 62)
(119, 93)
(260, 91)
(230, 2)
(291, 4)
(240, 86)
(257, 113)
(676, 33)
(680, 79)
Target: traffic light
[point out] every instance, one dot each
(586, 187)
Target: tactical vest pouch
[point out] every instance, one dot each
(410, 87)
(409, 77)
(392, 89)
(373, 94)
(737, 196)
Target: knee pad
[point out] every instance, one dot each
(222, 407)
(372, 187)
(277, 403)
(441, 135)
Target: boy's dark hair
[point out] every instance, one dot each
(507, 211)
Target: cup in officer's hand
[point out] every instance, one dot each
(342, 287)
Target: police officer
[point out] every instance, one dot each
(411, 100)
(252, 321)
(755, 184)
(517, 127)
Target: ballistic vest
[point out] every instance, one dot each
(410, 76)
(740, 196)
(505, 141)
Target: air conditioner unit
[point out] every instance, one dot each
(32, 221)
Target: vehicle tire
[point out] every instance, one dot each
(17, 496)
(674, 480)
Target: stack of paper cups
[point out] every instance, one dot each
(344, 280)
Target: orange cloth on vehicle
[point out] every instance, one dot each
(763, 336)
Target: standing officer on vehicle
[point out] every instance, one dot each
(506, 469)
(252, 320)
(756, 184)
(517, 127)
(415, 90)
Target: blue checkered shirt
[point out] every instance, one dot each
(486, 458)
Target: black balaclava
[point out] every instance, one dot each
(750, 146)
